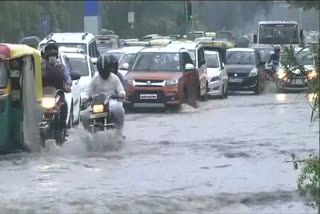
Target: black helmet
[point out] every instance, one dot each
(51, 49)
(276, 49)
(105, 65)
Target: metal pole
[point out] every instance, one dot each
(192, 15)
(185, 17)
(300, 23)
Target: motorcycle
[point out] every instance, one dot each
(101, 117)
(50, 127)
(271, 72)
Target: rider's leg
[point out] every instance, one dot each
(117, 112)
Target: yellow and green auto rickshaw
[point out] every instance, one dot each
(20, 90)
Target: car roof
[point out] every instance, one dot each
(132, 49)
(69, 37)
(241, 49)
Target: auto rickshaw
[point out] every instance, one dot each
(20, 90)
(220, 46)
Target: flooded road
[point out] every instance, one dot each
(228, 156)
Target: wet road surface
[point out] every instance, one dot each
(227, 156)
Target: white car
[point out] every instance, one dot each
(217, 75)
(127, 59)
(81, 64)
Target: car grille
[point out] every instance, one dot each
(149, 83)
(238, 75)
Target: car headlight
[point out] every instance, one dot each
(312, 75)
(48, 102)
(98, 109)
(253, 72)
(281, 74)
(172, 82)
(214, 78)
(128, 81)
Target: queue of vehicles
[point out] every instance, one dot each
(168, 70)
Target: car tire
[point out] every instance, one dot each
(205, 96)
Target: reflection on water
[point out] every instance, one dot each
(281, 97)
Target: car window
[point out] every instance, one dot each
(3, 75)
(91, 51)
(192, 54)
(127, 58)
(77, 65)
(202, 56)
(212, 60)
(157, 62)
(186, 59)
(95, 49)
(92, 68)
(241, 58)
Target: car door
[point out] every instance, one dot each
(191, 81)
(202, 70)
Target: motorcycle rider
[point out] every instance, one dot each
(55, 74)
(275, 57)
(114, 68)
(109, 83)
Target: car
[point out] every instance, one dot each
(297, 82)
(127, 59)
(196, 51)
(117, 52)
(161, 75)
(85, 41)
(245, 70)
(79, 63)
(196, 34)
(217, 75)
(106, 42)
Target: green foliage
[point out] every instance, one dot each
(309, 178)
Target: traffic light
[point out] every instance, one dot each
(189, 10)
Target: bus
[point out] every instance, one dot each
(279, 33)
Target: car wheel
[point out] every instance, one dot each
(205, 96)
(257, 89)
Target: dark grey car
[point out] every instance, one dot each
(245, 70)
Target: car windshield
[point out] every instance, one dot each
(192, 54)
(77, 65)
(104, 47)
(240, 57)
(3, 75)
(278, 34)
(118, 55)
(212, 60)
(305, 58)
(157, 62)
(127, 58)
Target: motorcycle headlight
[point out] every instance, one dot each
(253, 72)
(48, 102)
(172, 82)
(97, 108)
(281, 74)
(312, 75)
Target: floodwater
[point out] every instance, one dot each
(227, 156)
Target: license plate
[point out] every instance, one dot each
(148, 96)
(235, 80)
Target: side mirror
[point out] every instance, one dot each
(189, 67)
(124, 66)
(301, 34)
(255, 39)
(203, 62)
(85, 105)
(223, 65)
(75, 76)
